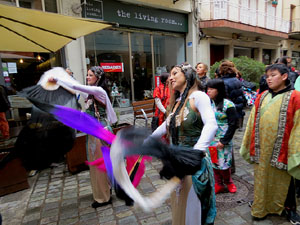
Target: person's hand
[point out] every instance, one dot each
(52, 80)
(220, 145)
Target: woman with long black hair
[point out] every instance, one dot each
(190, 123)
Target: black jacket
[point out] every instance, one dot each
(293, 77)
(235, 93)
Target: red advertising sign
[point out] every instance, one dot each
(7, 79)
(112, 67)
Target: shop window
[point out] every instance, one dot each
(267, 56)
(168, 51)
(50, 6)
(8, 2)
(110, 46)
(142, 65)
(31, 4)
(243, 51)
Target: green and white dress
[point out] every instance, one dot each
(195, 131)
(224, 135)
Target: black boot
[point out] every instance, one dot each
(292, 216)
(96, 204)
(240, 123)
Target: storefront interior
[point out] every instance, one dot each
(150, 53)
(24, 69)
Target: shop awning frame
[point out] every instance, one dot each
(28, 30)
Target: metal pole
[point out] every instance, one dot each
(153, 68)
(130, 66)
(2, 82)
(43, 6)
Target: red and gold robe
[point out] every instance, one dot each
(271, 141)
(162, 92)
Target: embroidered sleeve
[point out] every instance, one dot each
(245, 147)
(294, 147)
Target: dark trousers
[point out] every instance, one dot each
(232, 163)
(298, 188)
(290, 202)
(223, 177)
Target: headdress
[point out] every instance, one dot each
(97, 70)
(190, 75)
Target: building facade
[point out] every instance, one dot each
(146, 39)
(231, 28)
(291, 46)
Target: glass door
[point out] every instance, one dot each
(141, 65)
(168, 51)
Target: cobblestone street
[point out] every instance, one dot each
(56, 197)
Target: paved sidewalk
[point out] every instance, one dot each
(57, 197)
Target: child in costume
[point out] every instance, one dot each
(271, 143)
(226, 117)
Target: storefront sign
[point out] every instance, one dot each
(7, 79)
(92, 9)
(137, 16)
(112, 67)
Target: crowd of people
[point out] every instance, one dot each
(201, 113)
(270, 140)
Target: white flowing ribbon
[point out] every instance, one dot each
(149, 203)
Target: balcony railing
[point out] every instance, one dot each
(295, 25)
(225, 9)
